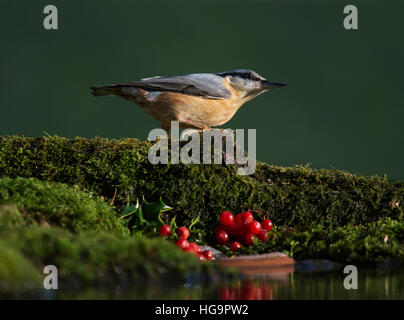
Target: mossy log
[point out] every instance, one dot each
(291, 196)
(317, 213)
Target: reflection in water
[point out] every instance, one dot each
(246, 290)
(372, 284)
(325, 284)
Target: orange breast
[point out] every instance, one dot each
(190, 111)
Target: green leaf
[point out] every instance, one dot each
(152, 211)
(144, 216)
(134, 216)
(129, 210)
(194, 222)
(173, 225)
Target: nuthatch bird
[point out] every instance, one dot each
(199, 100)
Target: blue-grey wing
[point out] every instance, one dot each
(199, 84)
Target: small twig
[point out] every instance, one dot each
(113, 198)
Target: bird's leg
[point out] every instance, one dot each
(229, 158)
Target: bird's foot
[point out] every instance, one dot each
(229, 158)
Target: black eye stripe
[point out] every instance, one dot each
(242, 75)
(245, 74)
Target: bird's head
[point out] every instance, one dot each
(248, 83)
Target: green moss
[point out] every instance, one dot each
(15, 270)
(290, 195)
(89, 257)
(45, 223)
(298, 199)
(10, 216)
(368, 244)
(25, 201)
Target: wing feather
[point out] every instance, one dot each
(198, 84)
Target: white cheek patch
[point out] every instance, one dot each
(153, 95)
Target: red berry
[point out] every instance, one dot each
(183, 244)
(183, 233)
(266, 224)
(220, 228)
(234, 246)
(249, 239)
(262, 235)
(196, 248)
(239, 219)
(232, 229)
(247, 217)
(201, 257)
(222, 236)
(226, 218)
(208, 254)
(165, 230)
(254, 227)
(242, 230)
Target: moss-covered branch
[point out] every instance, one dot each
(292, 196)
(305, 204)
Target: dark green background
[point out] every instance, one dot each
(343, 107)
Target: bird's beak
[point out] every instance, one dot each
(269, 85)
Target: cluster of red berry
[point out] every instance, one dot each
(242, 228)
(182, 242)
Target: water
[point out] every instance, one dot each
(310, 280)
